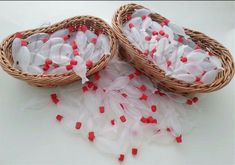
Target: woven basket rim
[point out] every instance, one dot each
(117, 23)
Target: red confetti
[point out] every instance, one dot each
(101, 109)
(59, 118)
(154, 108)
(93, 40)
(123, 118)
(134, 151)
(84, 88)
(179, 139)
(143, 97)
(161, 32)
(112, 122)
(195, 99)
(18, 35)
(131, 25)
(148, 38)
(74, 45)
(180, 39)
(154, 33)
(143, 17)
(69, 67)
(91, 136)
(75, 52)
(131, 76)
(78, 125)
(24, 43)
(183, 59)
(89, 64)
(189, 102)
(121, 157)
(54, 98)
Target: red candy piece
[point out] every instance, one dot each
(183, 59)
(148, 38)
(18, 35)
(189, 102)
(112, 122)
(134, 151)
(74, 45)
(123, 118)
(131, 76)
(143, 97)
(195, 99)
(154, 33)
(78, 125)
(73, 62)
(179, 139)
(59, 118)
(131, 25)
(69, 67)
(101, 109)
(129, 17)
(93, 40)
(84, 88)
(121, 157)
(54, 98)
(154, 108)
(75, 52)
(84, 28)
(24, 43)
(89, 64)
(44, 40)
(142, 88)
(91, 136)
(180, 39)
(143, 17)
(48, 61)
(161, 32)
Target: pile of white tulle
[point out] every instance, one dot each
(168, 47)
(119, 110)
(63, 51)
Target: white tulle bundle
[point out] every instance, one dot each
(119, 110)
(63, 51)
(168, 47)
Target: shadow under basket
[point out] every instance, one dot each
(133, 55)
(93, 23)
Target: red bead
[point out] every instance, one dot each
(143, 17)
(84, 88)
(101, 109)
(89, 64)
(154, 33)
(48, 61)
(84, 28)
(71, 29)
(90, 84)
(129, 17)
(75, 52)
(179, 139)
(66, 37)
(189, 102)
(69, 67)
(143, 97)
(59, 117)
(148, 38)
(131, 76)
(74, 45)
(146, 52)
(73, 62)
(78, 125)
(91, 136)
(44, 40)
(161, 32)
(183, 59)
(134, 151)
(123, 118)
(131, 25)
(112, 122)
(195, 99)
(18, 35)
(24, 43)
(93, 40)
(142, 88)
(154, 108)
(124, 95)
(121, 157)
(180, 39)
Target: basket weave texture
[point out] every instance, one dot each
(132, 54)
(93, 23)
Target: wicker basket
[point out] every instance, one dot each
(93, 23)
(136, 57)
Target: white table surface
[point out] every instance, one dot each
(33, 137)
